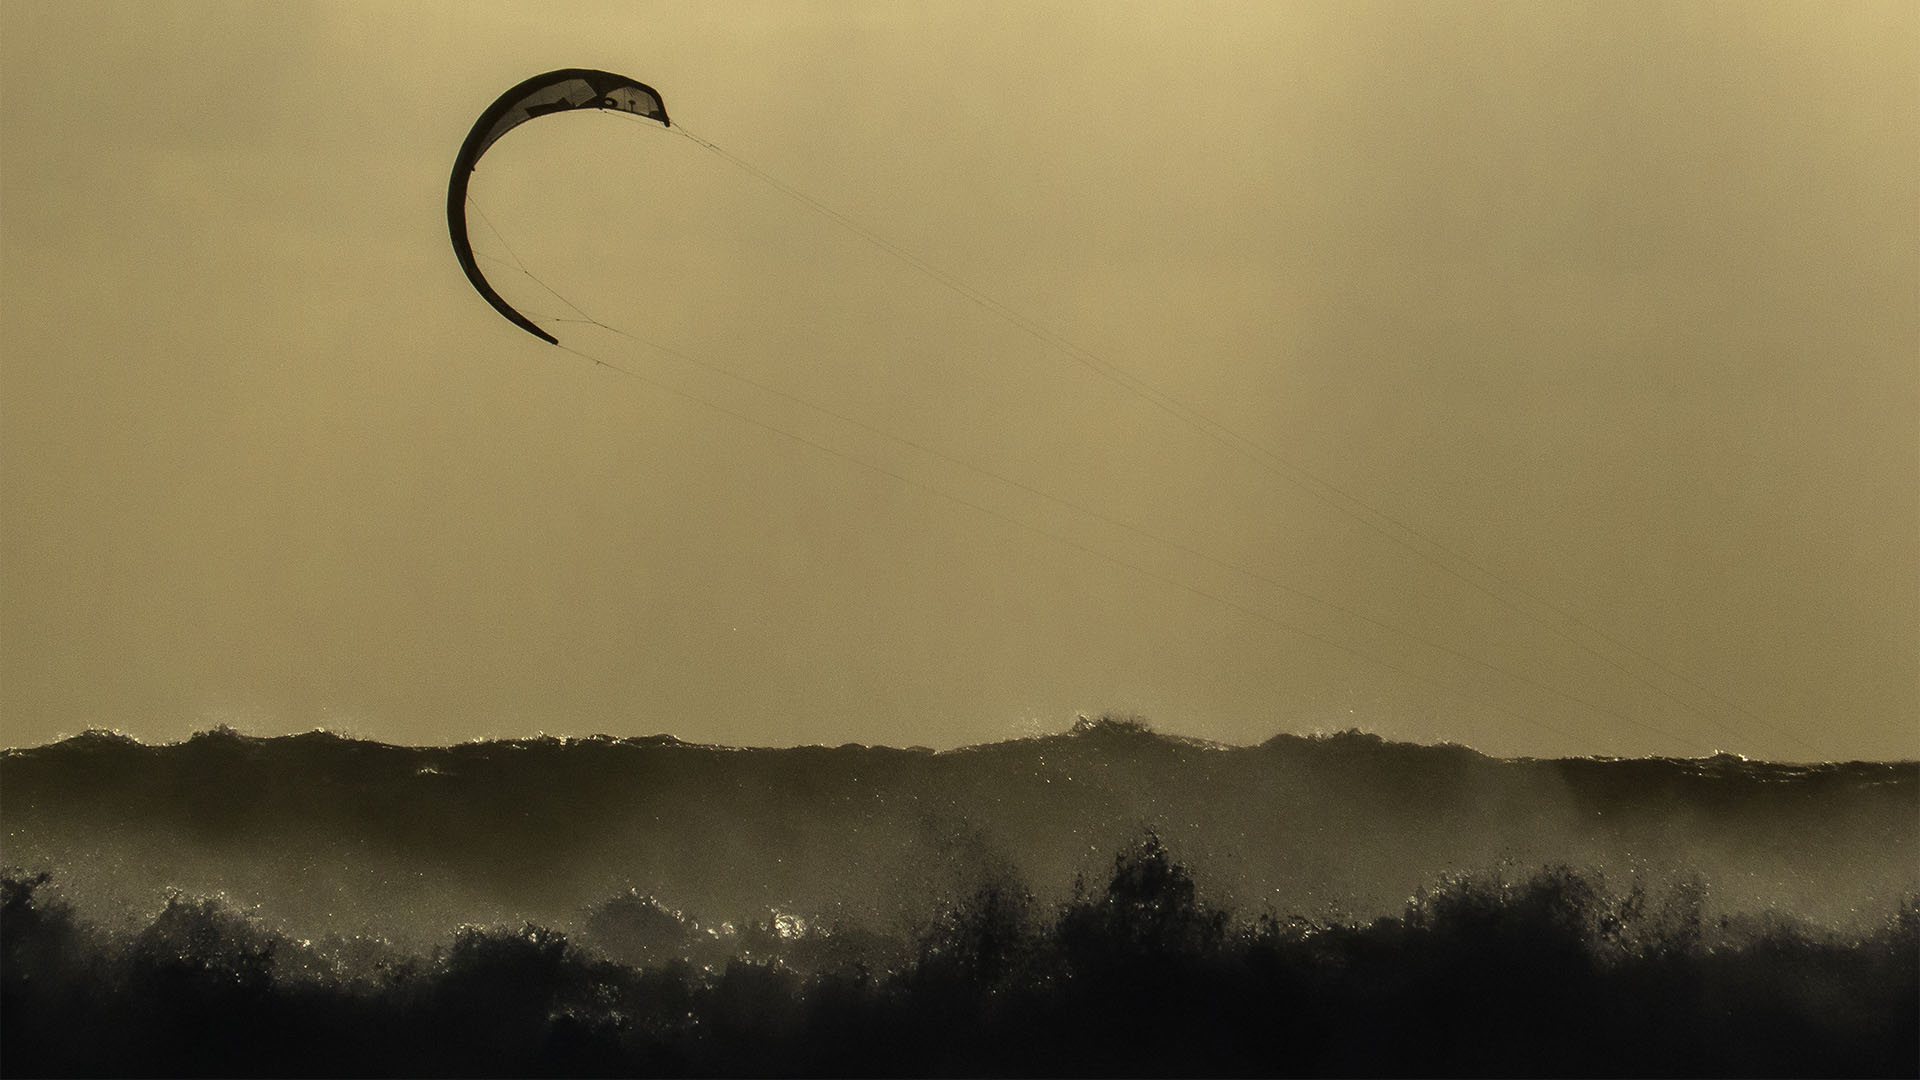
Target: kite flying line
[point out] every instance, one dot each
(1375, 519)
(614, 95)
(583, 318)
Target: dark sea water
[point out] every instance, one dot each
(1109, 901)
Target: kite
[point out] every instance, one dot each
(556, 91)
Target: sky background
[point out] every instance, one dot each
(1581, 343)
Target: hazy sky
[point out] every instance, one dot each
(1581, 341)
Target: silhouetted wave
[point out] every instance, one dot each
(1338, 904)
(1553, 974)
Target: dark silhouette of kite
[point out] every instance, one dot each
(556, 91)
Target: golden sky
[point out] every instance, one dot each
(1544, 377)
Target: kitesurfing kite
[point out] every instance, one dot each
(556, 91)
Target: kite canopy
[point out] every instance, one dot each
(556, 91)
